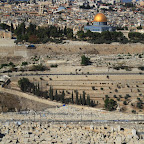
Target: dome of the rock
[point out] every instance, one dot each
(100, 17)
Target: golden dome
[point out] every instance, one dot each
(142, 3)
(100, 17)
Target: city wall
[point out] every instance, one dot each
(72, 48)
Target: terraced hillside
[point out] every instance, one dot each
(128, 88)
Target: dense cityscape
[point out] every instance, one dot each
(72, 71)
(70, 14)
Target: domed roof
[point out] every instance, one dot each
(61, 8)
(100, 17)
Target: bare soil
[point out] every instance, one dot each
(9, 102)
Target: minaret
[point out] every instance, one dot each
(40, 9)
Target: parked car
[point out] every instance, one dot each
(31, 47)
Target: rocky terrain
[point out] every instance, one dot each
(44, 133)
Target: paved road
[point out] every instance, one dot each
(80, 74)
(46, 74)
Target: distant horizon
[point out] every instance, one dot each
(127, 1)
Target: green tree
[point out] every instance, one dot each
(38, 87)
(92, 103)
(84, 60)
(31, 30)
(88, 100)
(5, 26)
(69, 33)
(140, 103)
(125, 103)
(136, 37)
(81, 34)
(51, 93)
(33, 39)
(20, 30)
(72, 99)
(37, 90)
(106, 35)
(83, 99)
(65, 30)
(139, 27)
(38, 67)
(12, 28)
(63, 97)
(110, 104)
(89, 34)
(53, 32)
(80, 100)
(77, 99)
(24, 63)
(56, 96)
(24, 84)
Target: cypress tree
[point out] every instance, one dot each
(72, 97)
(37, 90)
(65, 30)
(34, 89)
(41, 84)
(63, 97)
(12, 28)
(56, 96)
(91, 103)
(88, 100)
(51, 93)
(47, 95)
(80, 100)
(38, 86)
(83, 100)
(77, 100)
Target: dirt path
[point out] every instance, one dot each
(30, 97)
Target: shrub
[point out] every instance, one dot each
(120, 96)
(24, 63)
(93, 88)
(133, 111)
(25, 84)
(110, 104)
(118, 99)
(141, 68)
(106, 96)
(54, 65)
(85, 61)
(115, 96)
(128, 69)
(125, 103)
(140, 104)
(127, 96)
(39, 67)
